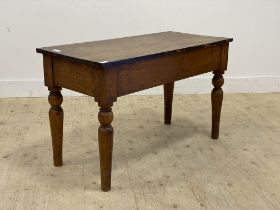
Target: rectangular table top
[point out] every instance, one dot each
(129, 49)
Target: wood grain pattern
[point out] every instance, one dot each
(75, 76)
(166, 69)
(168, 99)
(130, 49)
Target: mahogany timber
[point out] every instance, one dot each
(111, 68)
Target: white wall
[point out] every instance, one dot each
(254, 60)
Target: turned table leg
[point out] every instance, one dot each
(216, 99)
(105, 140)
(56, 124)
(168, 98)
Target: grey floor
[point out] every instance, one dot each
(155, 166)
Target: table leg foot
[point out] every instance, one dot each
(56, 123)
(168, 98)
(105, 140)
(216, 99)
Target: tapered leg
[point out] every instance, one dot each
(105, 140)
(216, 99)
(56, 124)
(168, 98)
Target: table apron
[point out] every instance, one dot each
(135, 76)
(168, 68)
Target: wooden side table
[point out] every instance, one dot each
(112, 68)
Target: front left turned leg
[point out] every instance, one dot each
(105, 140)
(56, 123)
(216, 99)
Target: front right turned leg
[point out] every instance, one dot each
(56, 123)
(105, 141)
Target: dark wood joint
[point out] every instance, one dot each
(223, 57)
(48, 70)
(107, 87)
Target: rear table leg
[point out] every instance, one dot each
(216, 99)
(168, 98)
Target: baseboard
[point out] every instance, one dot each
(195, 85)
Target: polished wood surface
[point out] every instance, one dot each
(108, 69)
(129, 49)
